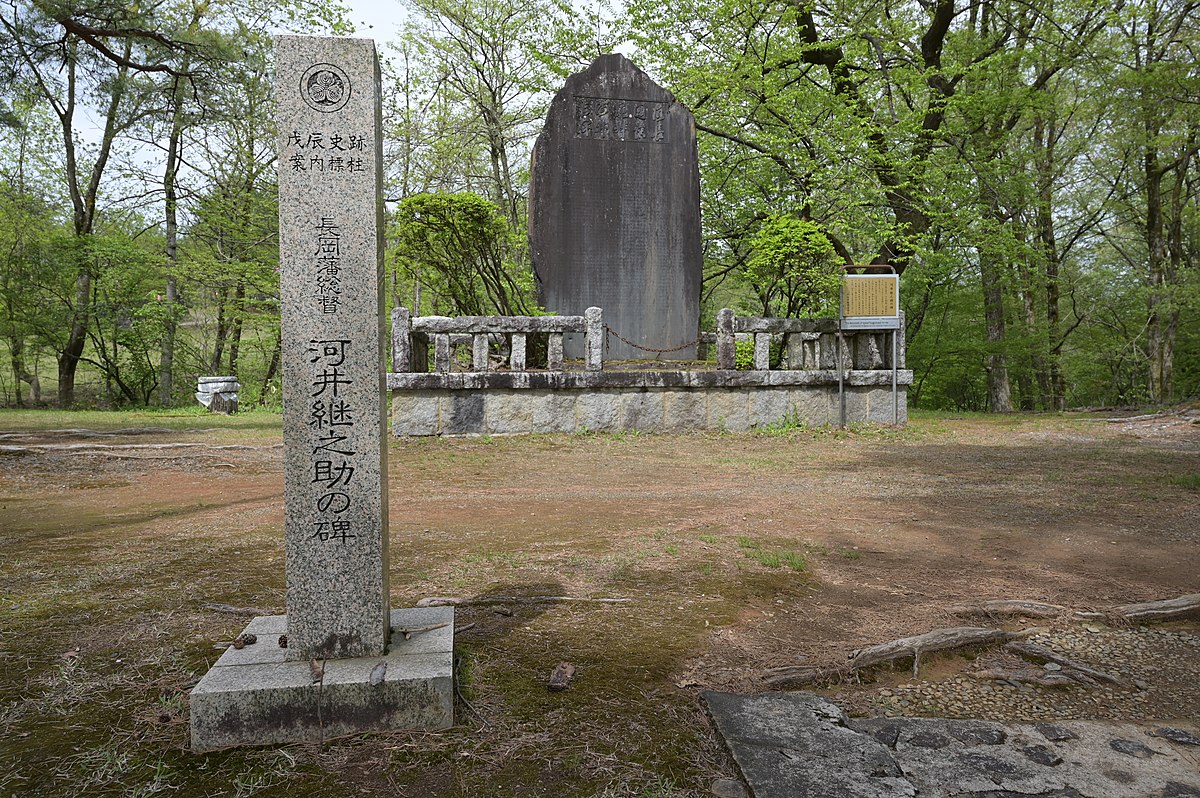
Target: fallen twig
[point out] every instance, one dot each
(416, 630)
(235, 610)
(484, 601)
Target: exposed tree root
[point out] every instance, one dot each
(1166, 610)
(903, 648)
(1041, 653)
(1010, 607)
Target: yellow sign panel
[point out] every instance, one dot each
(869, 295)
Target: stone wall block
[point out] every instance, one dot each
(641, 411)
(553, 411)
(770, 406)
(729, 410)
(597, 412)
(508, 412)
(684, 410)
(415, 413)
(464, 414)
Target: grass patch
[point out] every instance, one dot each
(1186, 481)
(772, 558)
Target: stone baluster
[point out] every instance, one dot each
(401, 340)
(516, 356)
(479, 352)
(441, 353)
(554, 356)
(762, 351)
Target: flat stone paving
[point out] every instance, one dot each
(793, 745)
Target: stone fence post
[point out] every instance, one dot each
(726, 344)
(401, 340)
(594, 338)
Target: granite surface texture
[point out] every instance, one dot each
(614, 209)
(330, 218)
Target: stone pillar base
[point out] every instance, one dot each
(252, 696)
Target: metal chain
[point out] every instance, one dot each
(610, 331)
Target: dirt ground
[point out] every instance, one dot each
(733, 554)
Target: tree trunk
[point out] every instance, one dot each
(16, 359)
(1045, 133)
(991, 275)
(272, 368)
(1159, 338)
(222, 332)
(235, 327)
(999, 393)
(166, 357)
(68, 358)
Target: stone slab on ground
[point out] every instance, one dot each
(255, 696)
(801, 744)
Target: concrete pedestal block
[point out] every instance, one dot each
(253, 696)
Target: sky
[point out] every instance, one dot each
(376, 19)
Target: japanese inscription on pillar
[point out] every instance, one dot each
(330, 209)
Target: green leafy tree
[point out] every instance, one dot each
(462, 248)
(793, 269)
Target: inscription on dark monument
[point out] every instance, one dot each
(614, 211)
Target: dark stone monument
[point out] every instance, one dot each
(614, 210)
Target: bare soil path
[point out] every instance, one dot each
(738, 553)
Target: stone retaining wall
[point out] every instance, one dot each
(509, 403)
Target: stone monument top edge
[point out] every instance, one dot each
(609, 64)
(312, 39)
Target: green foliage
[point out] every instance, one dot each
(463, 251)
(793, 269)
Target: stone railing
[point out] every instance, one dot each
(824, 376)
(808, 344)
(411, 339)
